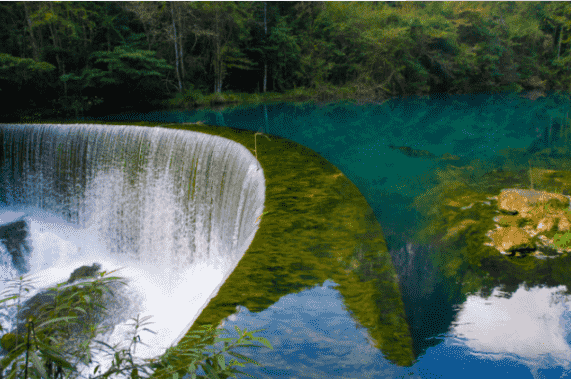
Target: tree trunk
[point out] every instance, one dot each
(559, 47)
(60, 63)
(265, 41)
(180, 43)
(84, 37)
(32, 38)
(265, 76)
(176, 49)
(218, 60)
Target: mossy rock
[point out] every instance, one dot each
(84, 272)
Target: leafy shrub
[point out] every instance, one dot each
(44, 352)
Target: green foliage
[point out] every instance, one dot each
(190, 96)
(77, 104)
(51, 347)
(195, 354)
(286, 51)
(376, 50)
(19, 70)
(124, 65)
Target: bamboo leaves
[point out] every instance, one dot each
(46, 352)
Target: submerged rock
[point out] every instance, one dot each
(533, 94)
(413, 153)
(417, 153)
(452, 232)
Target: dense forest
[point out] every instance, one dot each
(60, 59)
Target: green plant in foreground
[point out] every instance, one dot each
(50, 349)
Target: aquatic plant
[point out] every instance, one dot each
(49, 348)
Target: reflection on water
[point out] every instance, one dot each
(525, 336)
(530, 326)
(449, 146)
(313, 336)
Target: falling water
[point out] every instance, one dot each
(176, 209)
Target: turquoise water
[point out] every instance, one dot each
(452, 335)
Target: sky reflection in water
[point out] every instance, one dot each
(525, 336)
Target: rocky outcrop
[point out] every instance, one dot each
(511, 240)
(14, 236)
(84, 272)
(533, 95)
(529, 221)
(522, 202)
(41, 304)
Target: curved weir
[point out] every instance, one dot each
(175, 209)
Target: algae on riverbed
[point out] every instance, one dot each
(462, 209)
(317, 227)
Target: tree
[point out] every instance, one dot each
(558, 15)
(286, 54)
(20, 70)
(125, 66)
(226, 24)
(57, 18)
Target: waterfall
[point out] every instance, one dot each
(177, 209)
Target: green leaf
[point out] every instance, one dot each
(12, 374)
(38, 364)
(210, 371)
(57, 358)
(221, 361)
(245, 374)
(9, 298)
(263, 341)
(243, 357)
(228, 339)
(118, 359)
(67, 318)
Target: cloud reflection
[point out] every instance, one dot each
(531, 326)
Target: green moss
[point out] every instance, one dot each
(463, 255)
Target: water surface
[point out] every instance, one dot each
(516, 331)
